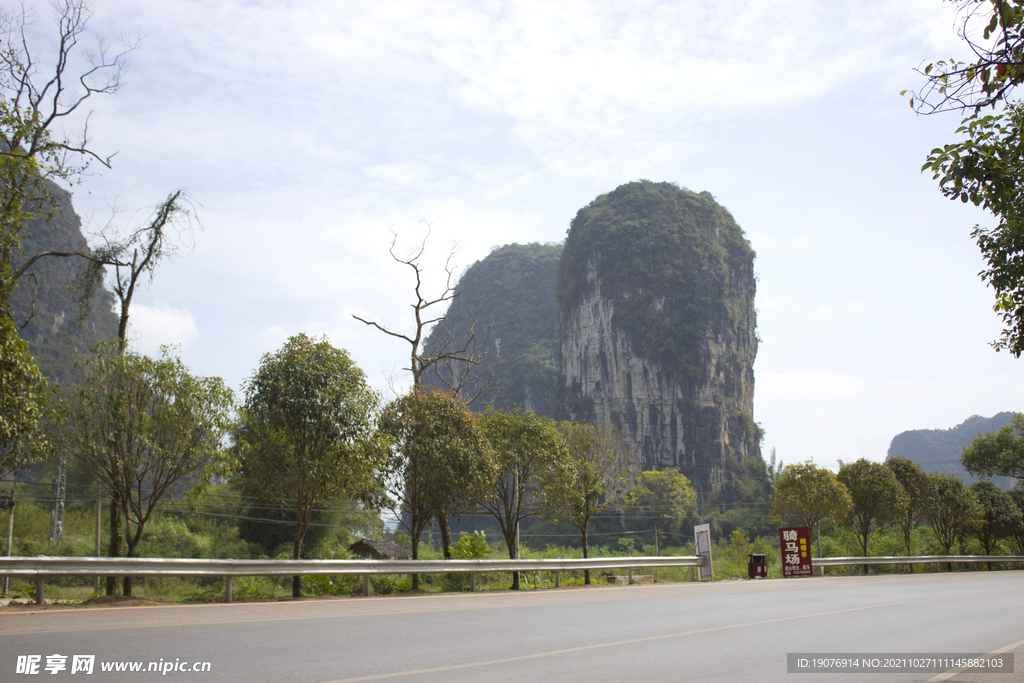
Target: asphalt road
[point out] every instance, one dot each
(734, 631)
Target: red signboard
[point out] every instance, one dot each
(795, 543)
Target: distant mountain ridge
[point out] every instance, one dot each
(939, 450)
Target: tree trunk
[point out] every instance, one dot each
(296, 551)
(864, 546)
(114, 549)
(586, 554)
(511, 544)
(906, 537)
(446, 535)
(415, 555)
(133, 551)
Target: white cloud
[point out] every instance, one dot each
(809, 385)
(150, 327)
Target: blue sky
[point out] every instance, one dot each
(304, 131)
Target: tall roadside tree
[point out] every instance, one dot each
(529, 451)
(920, 495)
(593, 478)
(806, 494)
(453, 359)
(307, 432)
(1017, 494)
(665, 495)
(878, 498)
(956, 511)
(1000, 515)
(39, 100)
(997, 453)
(144, 427)
(24, 397)
(986, 167)
(439, 461)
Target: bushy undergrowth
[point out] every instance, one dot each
(183, 533)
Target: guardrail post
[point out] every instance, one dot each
(558, 579)
(367, 589)
(227, 588)
(40, 591)
(472, 582)
(630, 576)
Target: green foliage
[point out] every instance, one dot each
(142, 426)
(24, 397)
(306, 431)
(664, 495)
(438, 461)
(956, 511)
(1017, 495)
(920, 495)
(591, 479)
(878, 498)
(985, 167)
(529, 452)
(806, 495)
(998, 453)
(1000, 515)
(666, 257)
(470, 547)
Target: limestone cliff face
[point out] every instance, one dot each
(658, 330)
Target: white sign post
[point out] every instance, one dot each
(702, 535)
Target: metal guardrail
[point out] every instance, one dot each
(40, 567)
(912, 559)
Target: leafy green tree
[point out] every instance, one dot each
(306, 432)
(1000, 515)
(144, 428)
(1017, 495)
(24, 397)
(985, 167)
(878, 499)
(663, 494)
(439, 461)
(920, 495)
(997, 453)
(591, 480)
(529, 452)
(956, 511)
(806, 494)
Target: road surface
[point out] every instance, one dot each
(733, 631)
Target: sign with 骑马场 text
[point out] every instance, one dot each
(795, 543)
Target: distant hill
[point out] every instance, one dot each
(56, 333)
(939, 450)
(510, 298)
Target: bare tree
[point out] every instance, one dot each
(453, 360)
(34, 100)
(425, 308)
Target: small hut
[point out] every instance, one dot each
(379, 550)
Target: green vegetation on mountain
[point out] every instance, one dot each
(665, 256)
(508, 298)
